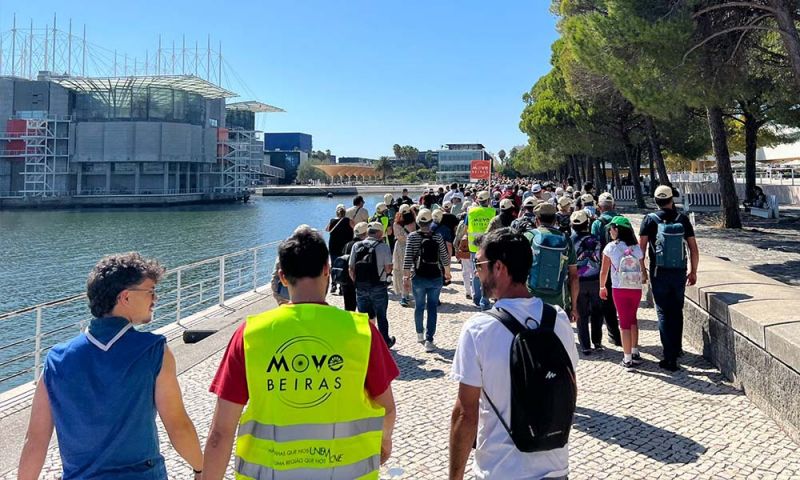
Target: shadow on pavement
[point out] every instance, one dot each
(638, 436)
(411, 368)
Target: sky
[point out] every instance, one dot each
(358, 75)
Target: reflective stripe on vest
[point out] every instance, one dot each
(478, 219)
(308, 415)
(345, 472)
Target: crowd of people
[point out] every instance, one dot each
(536, 257)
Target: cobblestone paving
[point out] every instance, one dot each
(643, 425)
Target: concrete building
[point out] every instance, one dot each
(454, 161)
(66, 138)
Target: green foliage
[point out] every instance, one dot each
(308, 171)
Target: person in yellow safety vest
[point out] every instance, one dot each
(382, 215)
(478, 219)
(316, 381)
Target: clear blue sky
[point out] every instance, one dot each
(358, 75)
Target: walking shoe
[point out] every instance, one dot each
(599, 348)
(670, 365)
(404, 302)
(469, 297)
(636, 361)
(626, 365)
(390, 343)
(429, 346)
(587, 351)
(421, 337)
(636, 356)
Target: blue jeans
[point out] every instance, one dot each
(669, 287)
(374, 301)
(426, 296)
(477, 294)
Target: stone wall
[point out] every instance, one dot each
(748, 325)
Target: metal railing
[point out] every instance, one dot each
(30, 332)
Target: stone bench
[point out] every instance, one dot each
(771, 210)
(748, 325)
(702, 202)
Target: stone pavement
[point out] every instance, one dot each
(642, 425)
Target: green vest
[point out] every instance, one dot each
(478, 219)
(309, 415)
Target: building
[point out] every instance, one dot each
(73, 139)
(454, 161)
(288, 161)
(288, 151)
(355, 160)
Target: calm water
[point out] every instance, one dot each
(46, 255)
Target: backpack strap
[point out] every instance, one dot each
(507, 320)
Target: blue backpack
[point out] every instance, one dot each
(669, 250)
(549, 257)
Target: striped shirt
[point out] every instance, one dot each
(413, 251)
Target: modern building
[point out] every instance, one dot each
(455, 159)
(288, 161)
(355, 160)
(288, 151)
(140, 139)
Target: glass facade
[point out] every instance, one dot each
(454, 165)
(145, 103)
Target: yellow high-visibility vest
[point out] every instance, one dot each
(478, 219)
(309, 415)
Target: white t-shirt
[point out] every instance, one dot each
(615, 251)
(448, 197)
(482, 360)
(357, 214)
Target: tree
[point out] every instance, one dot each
(308, 171)
(501, 155)
(398, 151)
(384, 166)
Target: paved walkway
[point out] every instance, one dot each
(647, 424)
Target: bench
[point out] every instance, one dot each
(702, 202)
(770, 210)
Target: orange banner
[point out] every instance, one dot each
(480, 169)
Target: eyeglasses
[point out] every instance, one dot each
(478, 264)
(152, 291)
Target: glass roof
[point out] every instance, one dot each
(253, 106)
(187, 83)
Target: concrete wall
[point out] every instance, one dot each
(748, 325)
(6, 101)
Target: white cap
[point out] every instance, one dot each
(360, 228)
(375, 227)
(404, 208)
(388, 198)
(530, 201)
(381, 207)
(536, 188)
(506, 204)
(437, 215)
(587, 198)
(424, 216)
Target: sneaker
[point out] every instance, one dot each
(404, 302)
(637, 357)
(599, 348)
(668, 365)
(626, 365)
(636, 361)
(421, 337)
(390, 343)
(429, 346)
(587, 351)
(469, 297)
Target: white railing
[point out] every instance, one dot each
(693, 177)
(30, 332)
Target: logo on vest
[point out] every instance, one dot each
(303, 372)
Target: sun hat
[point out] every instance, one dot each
(559, 191)
(564, 201)
(404, 208)
(448, 204)
(663, 192)
(506, 204)
(530, 202)
(375, 227)
(545, 208)
(579, 217)
(424, 216)
(360, 228)
(606, 198)
(483, 196)
(620, 221)
(587, 198)
(569, 190)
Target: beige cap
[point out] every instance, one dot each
(606, 198)
(415, 207)
(545, 208)
(447, 204)
(587, 198)
(404, 208)
(564, 201)
(663, 192)
(467, 205)
(483, 196)
(437, 215)
(506, 204)
(375, 227)
(424, 216)
(360, 228)
(388, 198)
(381, 207)
(530, 202)
(569, 190)
(579, 217)
(340, 207)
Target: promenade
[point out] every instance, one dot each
(642, 425)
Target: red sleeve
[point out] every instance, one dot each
(381, 369)
(230, 382)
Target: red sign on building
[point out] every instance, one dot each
(480, 169)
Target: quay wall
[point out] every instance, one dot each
(323, 190)
(748, 326)
(114, 200)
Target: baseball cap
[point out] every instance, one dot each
(663, 192)
(621, 221)
(483, 196)
(506, 204)
(467, 206)
(536, 188)
(544, 208)
(437, 215)
(381, 207)
(375, 227)
(606, 198)
(360, 228)
(570, 189)
(447, 204)
(564, 201)
(340, 207)
(579, 217)
(404, 208)
(587, 198)
(424, 216)
(559, 191)
(530, 202)
(388, 198)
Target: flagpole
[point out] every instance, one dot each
(490, 177)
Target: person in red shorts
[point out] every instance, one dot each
(315, 378)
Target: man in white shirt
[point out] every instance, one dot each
(357, 213)
(481, 363)
(453, 192)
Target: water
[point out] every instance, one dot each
(47, 255)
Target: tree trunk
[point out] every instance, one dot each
(633, 155)
(615, 172)
(751, 146)
(727, 189)
(652, 172)
(789, 35)
(590, 170)
(601, 174)
(655, 150)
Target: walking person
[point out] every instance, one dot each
(370, 268)
(347, 286)
(340, 232)
(482, 366)
(623, 259)
(102, 389)
(463, 255)
(589, 256)
(507, 215)
(279, 291)
(665, 235)
(478, 218)
(426, 268)
(336, 422)
(600, 229)
(357, 213)
(404, 223)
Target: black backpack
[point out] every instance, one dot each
(543, 388)
(366, 267)
(428, 260)
(340, 270)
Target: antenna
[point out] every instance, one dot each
(208, 59)
(46, 43)
(83, 66)
(158, 57)
(30, 52)
(173, 57)
(54, 44)
(14, 46)
(69, 49)
(196, 58)
(183, 55)
(219, 77)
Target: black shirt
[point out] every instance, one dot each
(340, 234)
(649, 229)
